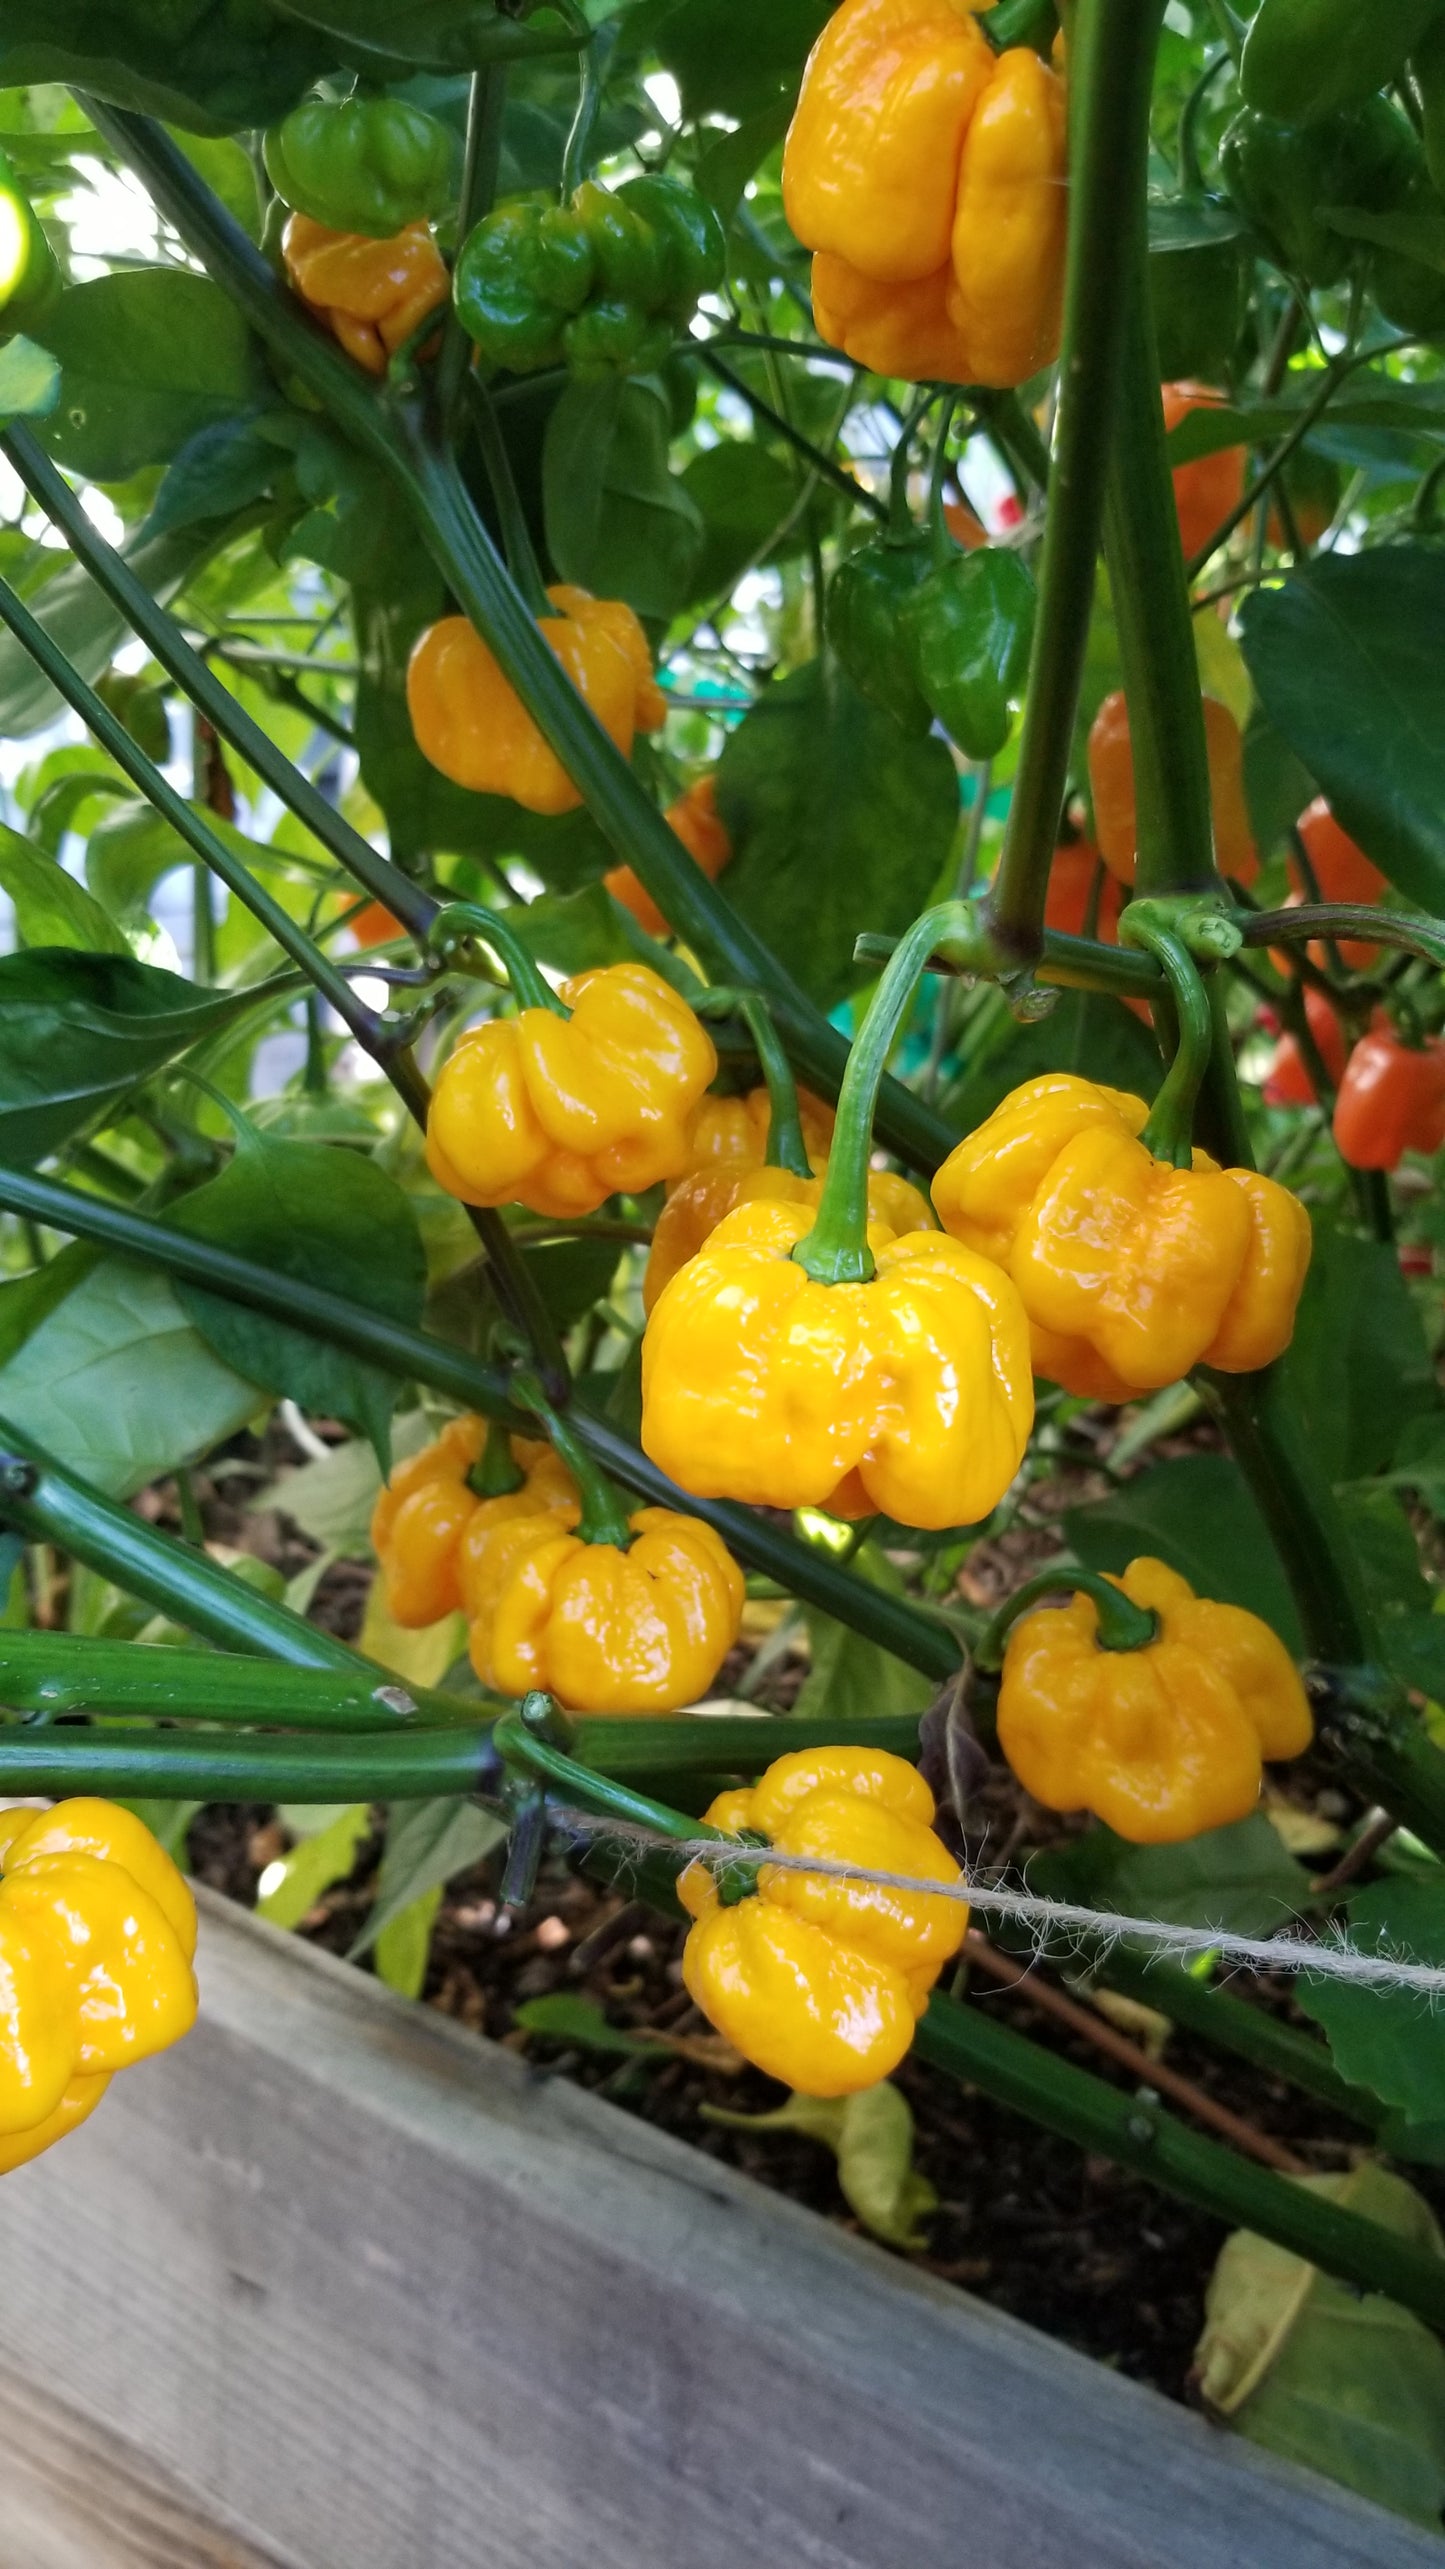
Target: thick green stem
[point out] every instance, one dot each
(1122, 1624)
(497, 1474)
(1069, 963)
(1110, 76)
(604, 1512)
(526, 1740)
(516, 539)
(167, 1766)
(48, 1674)
(1337, 919)
(1136, 2132)
(1168, 1134)
(741, 1744)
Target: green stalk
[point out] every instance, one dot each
(826, 468)
(1122, 1624)
(167, 1766)
(604, 1514)
(528, 1740)
(724, 1744)
(1342, 919)
(1168, 1134)
(786, 1148)
(486, 109)
(1069, 963)
(497, 1474)
(49, 1674)
(164, 639)
(462, 923)
(1137, 2133)
(1111, 65)
(516, 538)
(412, 1354)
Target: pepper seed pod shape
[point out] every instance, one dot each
(471, 723)
(601, 284)
(761, 1384)
(698, 1203)
(1160, 1742)
(604, 1630)
(820, 1982)
(372, 295)
(1130, 1271)
(367, 165)
(927, 174)
(558, 1113)
(1391, 1100)
(867, 596)
(1111, 785)
(429, 1506)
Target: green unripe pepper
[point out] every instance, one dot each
(1304, 58)
(971, 624)
(1197, 291)
(867, 599)
(29, 276)
(1428, 65)
(369, 166)
(602, 284)
(1283, 177)
(522, 275)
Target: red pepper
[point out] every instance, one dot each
(1343, 872)
(1289, 1081)
(1391, 1100)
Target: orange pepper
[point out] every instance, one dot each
(471, 723)
(736, 1128)
(1206, 490)
(376, 925)
(372, 295)
(1289, 1080)
(1343, 872)
(429, 1508)
(1391, 1100)
(1071, 890)
(694, 816)
(1111, 783)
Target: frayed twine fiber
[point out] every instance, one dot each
(1334, 1960)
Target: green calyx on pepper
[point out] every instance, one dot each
(29, 276)
(601, 284)
(370, 165)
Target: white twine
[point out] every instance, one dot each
(1333, 1961)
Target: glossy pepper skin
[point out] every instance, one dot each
(1307, 58)
(736, 1128)
(1206, 490)
(970, 626)
(368, 165)
(1159, 1743)
(696, 820)
(429, 1508)
(1075, 886)
(372, 295)
(1130, 1271)
(1391, 1100)
(558, 1113)
(867, 598)
(29, 275)
(1283, 173)
(698, 1203)
(818, 1982)
(470, 722)
(97, 1932)
(760, 1384)
(1111, 784)
(1290, 1081)
(1342, 872)
(927, 174)
(602, 284)
(603, 1630)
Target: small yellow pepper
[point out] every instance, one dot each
(436, 1498)
(696, 820)
(735, 1130)
(698, 1203)
(97, 1931)
(1131, 1270)
(927, 174)
(559, 1112)
(471, 723)
(372, 295)
(604, 1627)
(1160, 1741)
(821, 1982)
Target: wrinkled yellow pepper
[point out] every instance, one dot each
(604, 1630)
(1131, 1271)
(821, 1982)
(429, 1507)
(372, 295)
(928, 176)
(736, 1129)
(559, 1112)
(760, 1384)
(1159, 1742)
(471, 723)
(698, 1203)
(97, 1931)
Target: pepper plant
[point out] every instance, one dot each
(486, 621)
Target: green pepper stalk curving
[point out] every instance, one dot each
(1169, 1130)
(604, 1511)
(1122, 1624)
(786, 1148)
(532, 1739)
(463, 923)
(495, 1474)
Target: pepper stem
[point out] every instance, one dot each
(900, 516)
(496, 1473)
(526, 1740)
(786, 1148)
(463, 923)
(1168, 1132)
(604, 1510)
(1122, 1624)
(836, 1250)
(942, 542)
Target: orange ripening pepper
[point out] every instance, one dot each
(1072, 877)
(1159, 1742)
(1130, 1271)
(376, 925)
(1343, 872)
(429, 1506)
(1289, 1080)
(816, 1981)
(558, 1113)
(736, 1129)
(694, 816)
(471, 723)
(371, 294)
(700, 1202)
(1206, 490)
(1391, 1100)
(761, 1384)
(605, 1630)
(927, 173)
(1111, 784)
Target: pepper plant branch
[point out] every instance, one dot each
(827, 467)
(48, 1674)
(1110, 78)
(1069, 963)
(321, 1766)
(1334, 374)
(1342, 919)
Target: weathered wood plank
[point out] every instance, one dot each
(75, 2497)
(394, 2302)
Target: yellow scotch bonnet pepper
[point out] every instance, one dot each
(468, 719)
(372, 295)
(821, 1982)
(928, 176)
(1161, 1740)
(97, 1933)
(468, 1480)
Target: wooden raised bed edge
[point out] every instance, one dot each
(362, 2291)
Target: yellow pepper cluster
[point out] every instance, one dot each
(97, 1933)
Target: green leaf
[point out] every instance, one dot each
(730, 160)
(27, 1300)
(848, 1674)
(78, 1030)
(743, 493)
(147, 356)
(619, 521)
(839, 822)
(296, 1883)
(403, 1946)
(734, 57)
(565, 2019)
(1389, 2040)
(432, 35)
(1197, 1514)
(1276, 786)
(427, 1845)
(1345, 658)
(1371, 403)
(51, 908)
(29, 380)
(1358, 1364)
(1097, 1037)
(221, 468)
(117, 1384)
(135, 847)
(1344, 2382)
(1415, 236)
(327, 1217)
(88, 629)
(1414, 1647)
(871, 2136)
(1238, 1879)
(1189, 222)
(203, 69)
